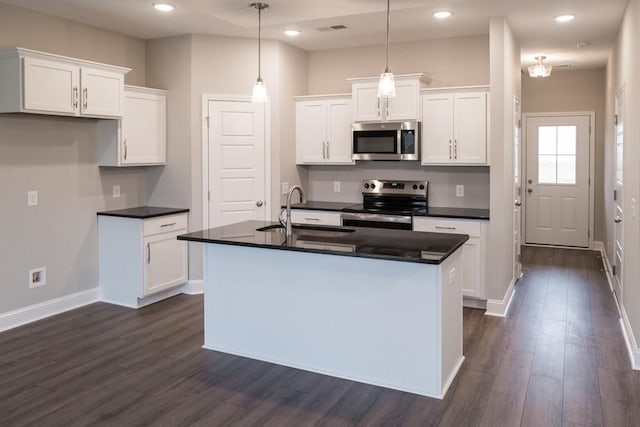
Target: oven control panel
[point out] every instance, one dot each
(387, 187)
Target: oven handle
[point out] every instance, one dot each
(399, 219)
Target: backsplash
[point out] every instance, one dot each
(320, 180)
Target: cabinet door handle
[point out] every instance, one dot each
(124, 141)
(444, 228)
(311, 219)
(386, 112)
(324, 149)
(168, 225)
(378, 110)
(75, 97)
(455, 149)
(450, 155)
(148, 253)
(85, 97)
(328, 146)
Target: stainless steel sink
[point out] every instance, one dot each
(310, 230)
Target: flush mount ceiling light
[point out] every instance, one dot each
(259, 93)
(163, 7)
(292, 33)
(442, 14)
(565, 18)
(540, 70)
(387, 85)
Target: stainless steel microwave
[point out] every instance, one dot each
(386, 141)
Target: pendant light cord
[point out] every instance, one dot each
(259, 7)
(386, 68)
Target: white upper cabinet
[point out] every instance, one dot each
(454, 128)
(42, 83)
(367, 107)
(323, 130)
(139, 138)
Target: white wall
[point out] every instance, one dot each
(623, 69)
(505, 85)
(57, 157)
(575, 90)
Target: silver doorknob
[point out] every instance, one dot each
(617, 220)
(259, 203)
(529, 190)
(518, 203)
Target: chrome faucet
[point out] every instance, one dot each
(288, 218)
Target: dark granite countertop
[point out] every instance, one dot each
(394, 245)
(462, 213)
(322, 206)
(143, 212)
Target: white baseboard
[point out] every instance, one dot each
(44, 309)
(500, 308)
(625, 325)
(193, 287)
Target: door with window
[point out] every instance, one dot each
(618, 229)
(557, 185)
(517, 188)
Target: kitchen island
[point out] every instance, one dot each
(378, 306)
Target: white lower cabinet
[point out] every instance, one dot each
(473, 250)
(309, 216)
(140, 260)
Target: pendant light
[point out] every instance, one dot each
(540, 70)
(259, 90)
(387, 85)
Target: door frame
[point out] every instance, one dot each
(206, 98)
(592, 137)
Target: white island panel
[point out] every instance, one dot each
(388, 323)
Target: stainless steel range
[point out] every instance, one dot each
(388, 204)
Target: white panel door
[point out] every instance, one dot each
(437, 128)
(339, 131)
(618, 227)
(517, 188)
(236, 162)
(144, 128)
(557, 211)
(311, 131)
(50, 86)
(102, 92)
(470, 127)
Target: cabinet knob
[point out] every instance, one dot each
(529, 190)
(518, 203)
(618, 220)
(259, 203)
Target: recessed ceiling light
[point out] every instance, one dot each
(292, 33)
(163, 7)
(442, 14)
(565, 18)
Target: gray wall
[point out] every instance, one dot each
(575, 90)
(57, 157)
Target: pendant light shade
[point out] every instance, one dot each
(387, 85)
(259, 93)
(540, 70)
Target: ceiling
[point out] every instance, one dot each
(596, 23)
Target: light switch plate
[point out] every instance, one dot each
(116, 191)
(336, 186)
(32, 198)
(285, 188)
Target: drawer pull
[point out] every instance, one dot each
(312, 219)
(444, 228)
(148, 253)
(168, 225)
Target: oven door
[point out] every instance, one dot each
(376, 144)
(398, 222)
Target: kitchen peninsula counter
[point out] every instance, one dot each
(382, 307)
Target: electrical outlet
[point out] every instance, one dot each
(116, 191)
(32, 198)
(459, 190)
(336, 186)
(37, 277)
(285, 188)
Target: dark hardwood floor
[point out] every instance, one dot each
(557, 359)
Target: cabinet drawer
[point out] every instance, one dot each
(470, 227)
(165, 224)
(302, 216)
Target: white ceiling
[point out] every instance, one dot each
(597, 22)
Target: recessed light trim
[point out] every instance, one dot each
(442, 14)
(565, 18)
(163, 7)
(292, 33)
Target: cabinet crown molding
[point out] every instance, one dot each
(21, 52)
(424, 79)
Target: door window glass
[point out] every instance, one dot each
(557, 154)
